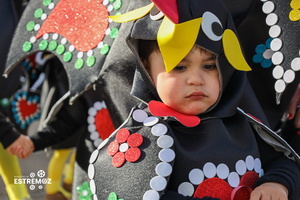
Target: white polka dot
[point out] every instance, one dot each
(55, 36)
(209, 170)
(51, 6)
(280, 86)
(37, 27)
(151, 195)
(186, 189)
(222, 171)
(91, 171)
(274, 31)
(257, 165)
(100, 45)
(80, 54)
(107, 32)
(276, 44)
(97, 142)
(64, 41)
(71, 48)
(261, 173)
(233, 179)
(44, 16)
(139, 115)
(277, 58)
(268, 54)
(92, 111)
(110, 8)
(46, 36)
(166, 155)
(90, 53)
(150, 121)
(250, 163)
(94, 135)
(163, 169)
(159, 129)
(158, 183)
(105, 2)
(278, 72)
(289, 76)
(91, 119)
(93, 186)
(33, 39)
(91, 128)
(94, 156)
(196, 176)
(268, 7)
(271, 19)
(240, 167)
(98, 105)
(123, 147)
(295, 65)
(165, 141)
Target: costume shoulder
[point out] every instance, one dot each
(271, 138)
(135, 162)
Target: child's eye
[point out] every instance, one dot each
(180, 68)
(209, 67)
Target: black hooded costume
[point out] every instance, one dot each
(152, 155)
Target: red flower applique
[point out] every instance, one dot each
(125, 147)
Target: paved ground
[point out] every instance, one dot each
(37, 161)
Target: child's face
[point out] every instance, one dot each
(192, 86)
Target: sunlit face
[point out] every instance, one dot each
(192, 86)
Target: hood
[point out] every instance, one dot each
(215, 23)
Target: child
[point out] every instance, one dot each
(188, 139)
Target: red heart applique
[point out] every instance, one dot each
(218, 188)
(157, 108)
(214, 187)
(27, 109)
(83, 23)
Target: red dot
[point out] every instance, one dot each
(133, 154)
(135, 140)
(122, 135)
(118, 159)
(113, 148)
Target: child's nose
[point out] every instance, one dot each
(195, 78)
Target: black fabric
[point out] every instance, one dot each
(67, 122)
(8, 133)
(224, 135)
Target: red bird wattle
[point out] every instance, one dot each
(157, 108)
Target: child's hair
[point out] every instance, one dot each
(146, 47)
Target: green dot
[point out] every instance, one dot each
(79, 63)
(104, 49)
(30, 26)
(27, 46)
(43, 45)
(111, 0)
(38, 13)
(67, 56)
(91, 61)
(112, 196)
(5, 102)
(113, 33)
(117, 4)
(52, 45)
(60, 49)
(47, 2)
